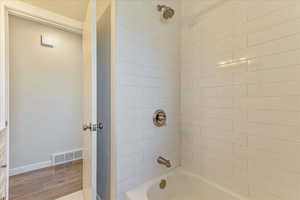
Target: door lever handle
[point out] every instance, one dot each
(87, 126)
(92, 127)
(3, 166)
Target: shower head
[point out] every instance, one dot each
(168, 12)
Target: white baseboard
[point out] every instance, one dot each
(35, 166)
(28, 168)
(98, 197)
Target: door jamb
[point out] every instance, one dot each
(23, 10)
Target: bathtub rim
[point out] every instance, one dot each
(141, 191)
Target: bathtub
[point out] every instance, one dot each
(181, 185)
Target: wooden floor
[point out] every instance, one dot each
(47, 184)
(73, 196)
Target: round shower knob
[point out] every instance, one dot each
(159, 118)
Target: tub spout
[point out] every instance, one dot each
(163, 161)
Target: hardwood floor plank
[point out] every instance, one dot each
(48, 183)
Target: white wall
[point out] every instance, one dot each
(240, 121)
(148, 79)
(46, 93)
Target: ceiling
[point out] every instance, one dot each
(75, 9)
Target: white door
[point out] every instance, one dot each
(90, 104)
(104, 103)
(3, 163)
(4, 99)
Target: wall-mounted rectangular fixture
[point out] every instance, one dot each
(47, 41)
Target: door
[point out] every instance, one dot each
(4, 105)
(3, 163)
(90, 103)
(104, 102)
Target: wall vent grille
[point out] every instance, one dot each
(68, 156)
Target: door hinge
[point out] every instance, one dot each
(6, 124)
(92, 127)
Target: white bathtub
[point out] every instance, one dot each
(181, 186)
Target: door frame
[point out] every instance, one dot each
(114, 78)
(26, 11)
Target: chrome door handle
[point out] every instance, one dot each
(92, 127)
(3, 166)
(87, 126)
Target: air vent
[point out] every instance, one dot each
(59, 159)
(64, 157)
(69, 156)
(78, 155)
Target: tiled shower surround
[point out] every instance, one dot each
(148, 79)
(240, 95)
(227, 72)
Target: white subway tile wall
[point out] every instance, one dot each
(240, 95)
(148, 65)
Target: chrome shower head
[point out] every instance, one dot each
(168, 12)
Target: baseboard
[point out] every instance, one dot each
(35, 166)
(98, 197)
(28, 168)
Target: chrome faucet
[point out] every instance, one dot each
(164, 162)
